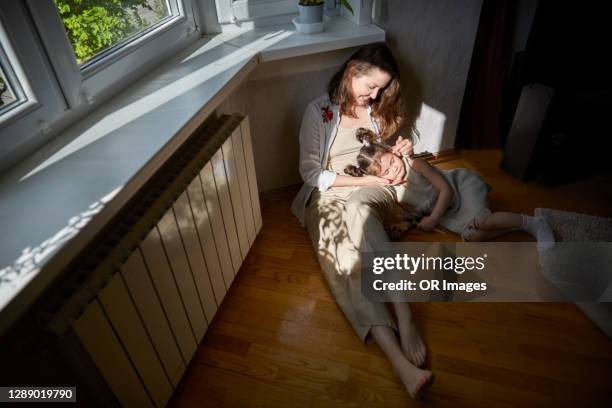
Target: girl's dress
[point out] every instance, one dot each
(469, 198)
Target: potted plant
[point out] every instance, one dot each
(362, 14)
(311, 11)
(347, 4)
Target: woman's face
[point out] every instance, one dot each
(391, 167)
(367, 87)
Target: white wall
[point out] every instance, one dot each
(432, 41)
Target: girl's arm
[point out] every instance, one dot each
(445, 192)
(346, 181)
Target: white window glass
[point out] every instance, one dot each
(96, 27)
(231, 11)
(97, 47)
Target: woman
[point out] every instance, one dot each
(345, 214)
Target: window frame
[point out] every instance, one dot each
(231, 11)
(58, 93)
(111, 72)
(43, 101)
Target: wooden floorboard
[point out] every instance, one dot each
(279, 339)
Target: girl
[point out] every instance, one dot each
(455, 199)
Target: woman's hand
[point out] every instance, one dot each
(403, 147)
(428, 223)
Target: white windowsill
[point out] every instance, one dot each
(54, 203)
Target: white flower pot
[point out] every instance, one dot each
(362, 9)
(311, 14)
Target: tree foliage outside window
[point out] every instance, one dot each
(95, 25)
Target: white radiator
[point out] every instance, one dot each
(133, 315)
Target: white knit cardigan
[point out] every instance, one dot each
(316, 138)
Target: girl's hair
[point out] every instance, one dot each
(388, 107)
(368, 159)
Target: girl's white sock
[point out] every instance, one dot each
(538, 227)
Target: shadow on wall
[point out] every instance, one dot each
(433, 43)
(423, 122)
(412, 88)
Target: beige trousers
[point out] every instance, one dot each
(340, 221)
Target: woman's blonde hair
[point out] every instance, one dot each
(388, 107)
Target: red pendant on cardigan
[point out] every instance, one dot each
(327, 114)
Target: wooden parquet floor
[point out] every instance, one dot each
(279, 340)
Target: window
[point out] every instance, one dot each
(95, 28)
(31, 98)
(99, 46)
(229, 11)
(59, 59)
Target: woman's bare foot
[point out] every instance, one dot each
(415, 380)
(412, 343)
